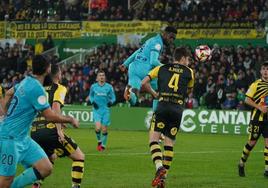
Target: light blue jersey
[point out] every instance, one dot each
(28, 99)
(143, 60)
(16, 145)
(102, 95)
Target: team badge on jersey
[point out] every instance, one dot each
(158, 47)
(42, 100)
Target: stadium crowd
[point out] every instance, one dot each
(168, 10)
(220, 83)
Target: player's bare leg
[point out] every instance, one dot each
(127, 93)
(157, 158)
(5, 181)
(38, 183)
(245, 154)
(78, 158)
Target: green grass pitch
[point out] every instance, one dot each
(201, 160)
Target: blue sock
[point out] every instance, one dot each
(98, 135)
(27, 177)
(155, 103)
(133, 98)
(104, 139)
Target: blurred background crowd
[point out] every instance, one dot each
(168, 10)
(220, 83)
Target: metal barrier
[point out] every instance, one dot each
(79, 58)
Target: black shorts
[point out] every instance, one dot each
(47, 137)
(257, 128)
(167, 119)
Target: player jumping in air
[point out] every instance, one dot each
(143, 60)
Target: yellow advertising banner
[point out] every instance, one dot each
(121, 27)
(32, 30)
(77, 29)
(219, 34)
(2, 30)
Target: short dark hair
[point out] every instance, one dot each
(171, 29)
(100, 71)
(40, 64)
(264, 64)
(55, 69)
(181, 52)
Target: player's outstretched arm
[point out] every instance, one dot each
(51, 116)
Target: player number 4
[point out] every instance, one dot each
(174, 82)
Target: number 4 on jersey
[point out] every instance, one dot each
(174, 82)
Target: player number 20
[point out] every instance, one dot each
(7, 159)
(174, 82)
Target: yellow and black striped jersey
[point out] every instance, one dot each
(173, 82)
(257, 91)
(55, 93)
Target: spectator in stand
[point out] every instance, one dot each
(38, 48)
(48, 43)
(211, 78)
(191, 102)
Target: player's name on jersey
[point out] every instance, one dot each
(174, 69)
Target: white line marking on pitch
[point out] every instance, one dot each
(147, 153)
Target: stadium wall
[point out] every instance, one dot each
(196, 121)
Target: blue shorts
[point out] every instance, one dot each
(102, 116)
(136, 73)
(12, 152)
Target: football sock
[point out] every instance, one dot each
(266, 158)
(246, 151)
(27, 177)
(167, 156)
(98, 136)
(156, 154)
(155, 103)
(104, 139)
(77, 172)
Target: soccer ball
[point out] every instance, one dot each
(202, 53)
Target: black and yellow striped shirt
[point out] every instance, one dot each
(173, 82)
(257, 91)
(56, 93)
